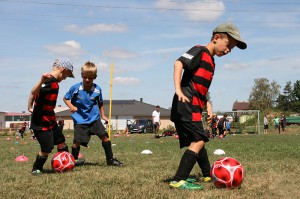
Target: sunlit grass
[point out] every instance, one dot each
(271, 164)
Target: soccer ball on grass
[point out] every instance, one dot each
(227, 172)
(62, 162)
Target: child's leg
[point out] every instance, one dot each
(22, 134)
(45, 140)
(188, 160)
(203, 162)
(110, 160)
(40, 160)
(186, 165)
(62, 147)
(59, 140)
(76, 150)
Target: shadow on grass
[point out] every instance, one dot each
(168, 180)
(92, 164)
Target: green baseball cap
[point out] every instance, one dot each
(233, 31)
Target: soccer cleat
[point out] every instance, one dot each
(182, 184)
(114, 162)
(79, 162)
(36, 172)
(191, 180)
(206, 179)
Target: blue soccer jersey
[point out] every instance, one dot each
(87, 103)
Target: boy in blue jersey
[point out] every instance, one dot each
(86, 104)
(191, 88)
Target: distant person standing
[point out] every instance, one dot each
(222, 126)
(156, 119)
(214, 123)
(276, 123)
(283, 122)
(22, 129)
(266, 125)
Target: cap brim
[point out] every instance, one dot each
(72, 75)
(241, 44)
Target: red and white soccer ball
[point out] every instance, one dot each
(227, 172)
(62, 162)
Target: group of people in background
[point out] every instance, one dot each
(279, 123)
(220, 126)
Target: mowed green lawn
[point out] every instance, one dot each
(271, 165)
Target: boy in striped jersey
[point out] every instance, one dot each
(43, 122)
(190, 98)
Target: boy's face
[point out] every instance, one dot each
(87, 79)
(223, 44)
(64, 74)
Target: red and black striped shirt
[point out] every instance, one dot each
(43, 116)
(198, 73)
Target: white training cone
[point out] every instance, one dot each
(219, 152)
(147, 152)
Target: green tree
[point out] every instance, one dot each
(290, 99)
(264, 94)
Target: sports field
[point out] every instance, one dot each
(271, 164)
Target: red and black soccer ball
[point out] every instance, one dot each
(227, 173)
(63, 162)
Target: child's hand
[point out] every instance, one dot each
(45, 77)
(73, 109)
(208, 119)
(181, 96)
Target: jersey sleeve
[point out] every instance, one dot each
(70, 93)
(192, 58)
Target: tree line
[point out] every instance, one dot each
(266, 95)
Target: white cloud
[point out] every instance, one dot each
(195, 10)
(103, 67)
(166, 50)
(117, 53)
(96, 28)
(68, 48)
(126, 81)
(235, 66)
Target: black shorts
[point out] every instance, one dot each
(189, 132)
(266, 126)
(83, 132)
(47, 139)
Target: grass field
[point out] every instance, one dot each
(271, 164)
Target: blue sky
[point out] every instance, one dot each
(143, 38)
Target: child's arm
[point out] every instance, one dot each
(30, 103)
(72, 108)
(209, 112)
(36, 89)
(102, 112)
(178, 67)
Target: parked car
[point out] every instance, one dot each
(141, 126)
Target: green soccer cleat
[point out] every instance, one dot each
(206, 179)
(191, 180)
(182, 184)
(36, 172)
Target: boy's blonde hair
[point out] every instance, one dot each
(89, 69)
